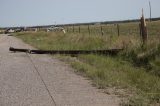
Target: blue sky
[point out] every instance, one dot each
(44, 12)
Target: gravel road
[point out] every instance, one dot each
(40, 80)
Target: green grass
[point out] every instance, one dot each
(106, 72)
(60, 41)
(123, 72)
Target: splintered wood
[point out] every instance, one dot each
(143, 28)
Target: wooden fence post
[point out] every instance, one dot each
(79, 29)
(89, 29)
(102, 30)
(140, 30)
(118, 29)
(73, 28)
(67, 29)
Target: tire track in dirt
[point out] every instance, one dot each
(37, 72)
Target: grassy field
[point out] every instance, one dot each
(133, 74)
(128, 29)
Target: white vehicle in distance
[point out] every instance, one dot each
(9, 31)
(56, 29)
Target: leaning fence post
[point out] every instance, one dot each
(143, 29)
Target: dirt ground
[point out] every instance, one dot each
(41, 80)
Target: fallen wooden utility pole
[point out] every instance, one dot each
(71, 52)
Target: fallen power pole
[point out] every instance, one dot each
(71, 52)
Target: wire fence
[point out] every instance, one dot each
(127, 29)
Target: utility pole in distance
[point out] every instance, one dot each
(150, 11)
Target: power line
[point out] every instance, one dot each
(150, 10)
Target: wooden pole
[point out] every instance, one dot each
(73, 28)
(79, 29)
(118, 29)
(89, 29)
(150, 11)
(67, 28)
(71, 52)
(140, 30)
(143, 29)
(102, 30)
